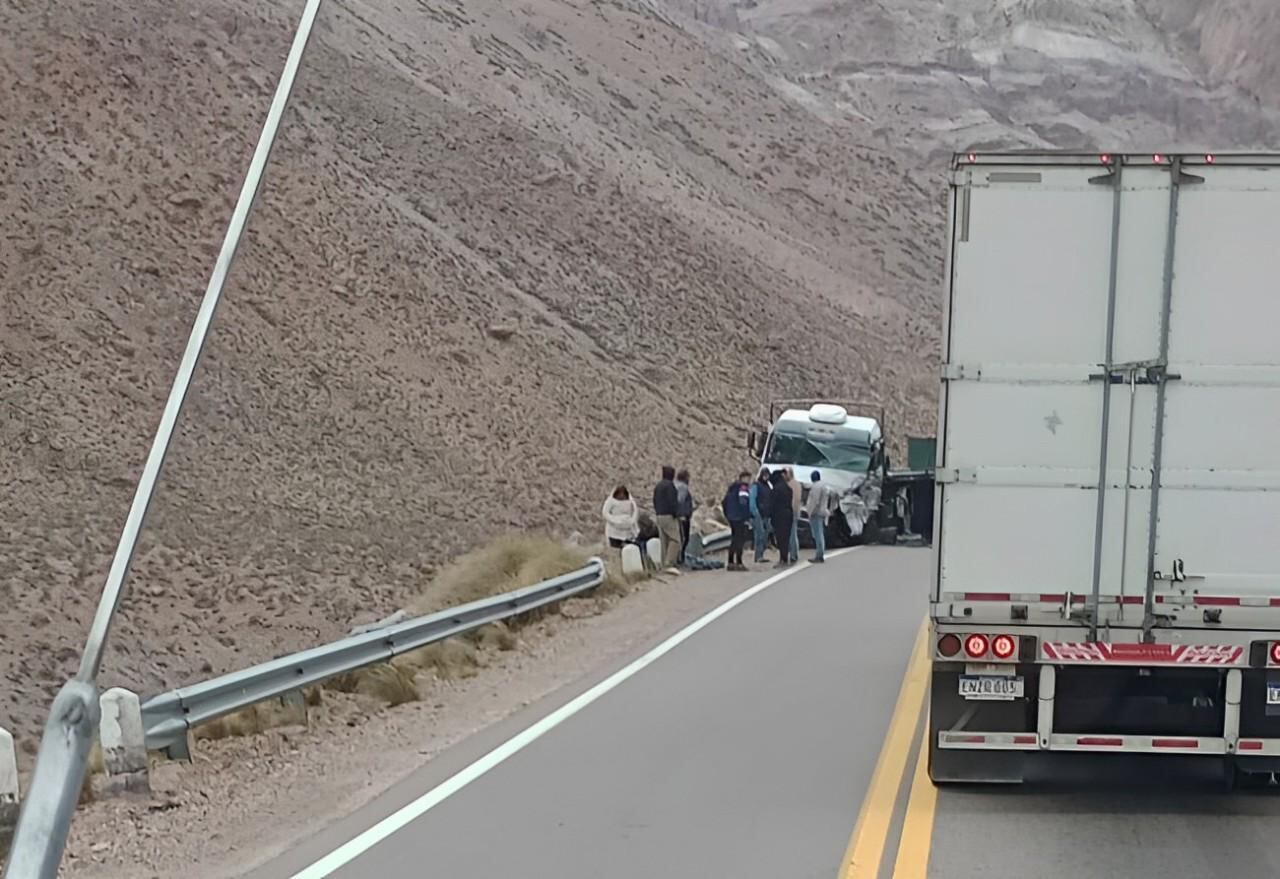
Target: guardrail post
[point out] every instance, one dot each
(124, 747)
(8, 784)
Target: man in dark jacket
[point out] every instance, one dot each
(737, 509)
(783, 517)
(666, 508)
(761, 495)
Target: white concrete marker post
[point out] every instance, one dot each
(632, 562)
(8, 783)
(124, 743)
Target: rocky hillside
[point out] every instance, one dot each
(926, 78)
(506, 257)
(1234, 40)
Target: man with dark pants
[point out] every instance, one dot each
(737, 509)
(666, 509)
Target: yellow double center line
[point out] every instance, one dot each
(866, 847)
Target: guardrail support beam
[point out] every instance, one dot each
(124, 746)
(8, 784)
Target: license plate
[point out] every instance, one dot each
(992, 687)
(1273, 693)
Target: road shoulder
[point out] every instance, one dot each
(245, 801)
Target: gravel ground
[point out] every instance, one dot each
(244, 800)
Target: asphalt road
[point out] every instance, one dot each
(744, 751)
(782, 741)
(1109, 817)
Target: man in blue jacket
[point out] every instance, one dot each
(737, 509)
(761, 495)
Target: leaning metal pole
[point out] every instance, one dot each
(46, 813)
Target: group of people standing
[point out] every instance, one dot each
(673, 505)
(771, 505)
(768, 507)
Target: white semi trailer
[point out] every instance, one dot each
(1107, 569)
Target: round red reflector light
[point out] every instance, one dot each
(973, 157)
(948, 645)
(1105, 158)
(1158, 158)
(1275, 652)
(1004, 646)
(1209, 159)
(976, 645)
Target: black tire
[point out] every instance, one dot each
(870, 533)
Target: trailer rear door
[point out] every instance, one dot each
(1167, 272)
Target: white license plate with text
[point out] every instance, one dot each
(992, 687)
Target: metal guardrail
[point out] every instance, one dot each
(168, 717)
(717, 542)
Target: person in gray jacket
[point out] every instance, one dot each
(818, 508)
(684, 511)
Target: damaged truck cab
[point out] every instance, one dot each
(849, 453)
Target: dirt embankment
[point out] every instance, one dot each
(505, 258)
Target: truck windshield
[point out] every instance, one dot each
(802, 451)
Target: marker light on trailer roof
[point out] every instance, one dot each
(973, 157)
(1209, 159)
(1158, 159)
(1105, 158)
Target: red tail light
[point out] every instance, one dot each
(948, 645)
(1275, 652)
(1004, 646)
(976, 646)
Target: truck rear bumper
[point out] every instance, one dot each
(1036, 724)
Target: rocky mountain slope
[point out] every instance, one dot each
(507, 255)
(506, 258)
(925, 77)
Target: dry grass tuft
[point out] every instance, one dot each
(497, 637)
(508, 563)
(255, 719)
(389, 684)
(447, 660)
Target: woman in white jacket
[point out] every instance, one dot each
(621, 518)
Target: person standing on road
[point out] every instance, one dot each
(782, 514)
(818, 508)
(684, 508)
(737, 509)
(797, 501)
(760, 497)
(666, 509)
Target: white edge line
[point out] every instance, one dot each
(349, 851)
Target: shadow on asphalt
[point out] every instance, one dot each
(1120, 785)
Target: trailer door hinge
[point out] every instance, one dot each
(953, 475)
(953, 372)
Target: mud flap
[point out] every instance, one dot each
(947, 766)
(962, 766)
